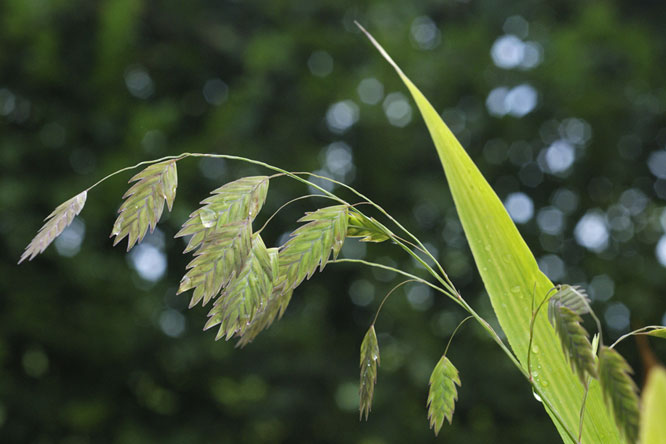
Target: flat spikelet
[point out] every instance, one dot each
(273, 309)
(246, 293)
(573, 337)
(144, 202)
(619, 391)
(366, 228)
(220, 258)
(369, 363)
(572, 297)
(232, 202)
(442, 394)
(54, 224)
(311, 244)
(658, 333)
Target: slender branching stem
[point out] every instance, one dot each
(391, 218)
(581, 415)
(401, 272)
(307, 196)
(145, 162)
(640, 331)
(460, 324)
(374, 321)
(532, 321)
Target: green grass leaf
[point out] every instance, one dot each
(574, 339)
(510, 274)
(442, 395)
(620, 391)
(368, 229)
(311, 245)
(232, 202)
(54, 224)
(245, 294)
(653, 408)
(144, 202)
(369, 363)
(217, 261)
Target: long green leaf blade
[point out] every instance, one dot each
(653, 408)
(510, 274)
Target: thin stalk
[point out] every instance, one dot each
(460, 324)
(529, 344)
(145, 162)
(640, 331)
(286, 204)
(581, 415)
(374, 321)
(392, 219)
(401, 272)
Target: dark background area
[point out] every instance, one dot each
(561, 104)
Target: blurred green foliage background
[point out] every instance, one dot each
(561, 104)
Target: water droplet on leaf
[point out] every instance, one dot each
(208, 217)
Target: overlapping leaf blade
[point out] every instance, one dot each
(232, 202)
(311, 245)
(245, 294)
(217, 261)
(511, 274)
(369, 363)
(573, 338)
(653, 408)
(54, 224)
(442, 395)
(620, 391)
(366, 228)
(144, 202)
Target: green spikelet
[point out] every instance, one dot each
(55, 223)
(311, 244)
(217, 261)
(573, 337)
(245, 295)
(369, 364)
(368, 229)
(442, 395)
(232, 202)
(619, 391)
(144, 202)
(273, 309)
